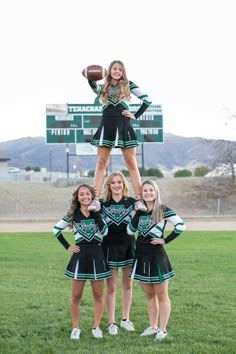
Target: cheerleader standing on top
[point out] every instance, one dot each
(87, 261)
(152, 266)
(118, 247)
(115, 129)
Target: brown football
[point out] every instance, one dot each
(94, 72)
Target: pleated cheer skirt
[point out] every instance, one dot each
(151, 265)
(88, 264)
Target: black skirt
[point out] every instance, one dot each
(151, 265)
(119, 250)
(88, 264)
(115, 130)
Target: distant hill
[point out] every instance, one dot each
(175, 152)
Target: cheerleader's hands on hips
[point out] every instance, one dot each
(128, 114)
(74, 249)
(157, 241)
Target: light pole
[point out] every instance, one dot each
(142, 146)
(50, 165)
(67, 161)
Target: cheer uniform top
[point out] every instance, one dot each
(115, 130)
(118, 246)
(89, 262)
(152, 264)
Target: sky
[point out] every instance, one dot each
(182, 53)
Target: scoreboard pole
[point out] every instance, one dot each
(67, 162)
(142, 148)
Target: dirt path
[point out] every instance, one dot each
(14, 225)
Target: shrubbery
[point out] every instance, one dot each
(183, 173)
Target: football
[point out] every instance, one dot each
(94, 72)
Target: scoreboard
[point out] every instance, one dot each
(77, 123)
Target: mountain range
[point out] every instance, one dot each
(176, 152)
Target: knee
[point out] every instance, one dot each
(75, 298)
(127, 285)
(111, 289)
(150, 295)
(98, 297)
(163, 297)
(132, 163)
(101, 162)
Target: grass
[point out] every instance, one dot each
(34, 294)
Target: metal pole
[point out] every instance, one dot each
(110, 164)
(218, 207)
(142, 146)
(67, 161)
(50, 165)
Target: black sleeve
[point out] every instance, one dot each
(134, 221)
(63, 241)
(141, 110)
(171, 237)
(92, 84)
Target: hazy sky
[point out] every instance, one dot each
(181, 52)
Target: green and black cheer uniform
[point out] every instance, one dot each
(115, 130)
(118, 246)
(89, 262)
(152, 264)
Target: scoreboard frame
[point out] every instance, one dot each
(77, 123)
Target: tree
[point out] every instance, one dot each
(183, 173)
(125, 173)
(225, 152)
(154, 172)
(150, 172)
(91, 173)
(201, 171)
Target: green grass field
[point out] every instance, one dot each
(34, 316)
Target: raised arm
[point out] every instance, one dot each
(102, 225)
(135, 90)
(133, 225)
(95, 87)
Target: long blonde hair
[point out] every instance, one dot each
(107, 190)
(157, 211)
(74, 205)
(122, 88)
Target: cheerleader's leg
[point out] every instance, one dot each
(97, 289)
(161, 289)
(101, 164)
(152, 304)
(126, 292)
(129, 155)
(74, 301)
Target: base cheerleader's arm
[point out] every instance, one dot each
(133, 225)
(135, 90)
(58, 228)
(176, 221)
(101, 223)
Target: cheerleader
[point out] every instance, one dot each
(115, 129)
(87, 261)
(152, 266)
(118, 247)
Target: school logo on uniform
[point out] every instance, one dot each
(145, 224)
(87, 228)
(117, 213)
